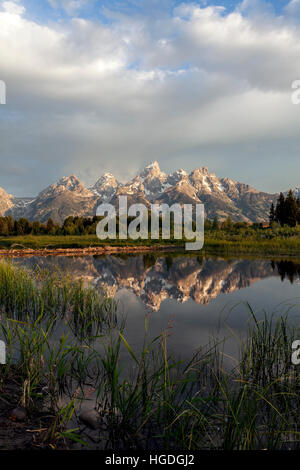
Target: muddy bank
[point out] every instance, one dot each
(21, 429)
(13, 252)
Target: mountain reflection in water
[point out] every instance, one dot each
(154, 278)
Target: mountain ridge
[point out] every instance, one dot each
(222, 197)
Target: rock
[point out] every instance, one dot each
(90, 418)
(18, 414)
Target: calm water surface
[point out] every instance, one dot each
(195, 298)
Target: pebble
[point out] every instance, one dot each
(18, 414)
(90, 418)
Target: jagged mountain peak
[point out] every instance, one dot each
(108, 175)
(67, 183)
(181, 171)
(153, 180)
(202, 171)
(106, 186)
(153, 171)
(6, 201)
(153, 165)
(205, 182)
(222, 197)
(135, 185)
(179, 174)
(176, 176)
(67, 197)
(4, 194)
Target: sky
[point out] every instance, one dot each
(97, 85)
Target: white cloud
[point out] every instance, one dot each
(293, 7)
(13, 7)
(70, 6)
(198, 85)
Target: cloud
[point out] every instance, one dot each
(197, 86)
(70, 6)
(292, 9)
(13, 7)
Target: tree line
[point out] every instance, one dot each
(71, 226)
(286, 211)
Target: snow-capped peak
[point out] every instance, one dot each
(106, 186)
(153, 165)
(152, 173)
(106, 179)
(108, 176)
(67, 183)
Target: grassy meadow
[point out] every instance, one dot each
(239, 239)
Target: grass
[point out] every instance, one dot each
(37, 291)
(278, 247)
(151, 401)
(202, 405)
(33, 305)
(241, 239)
(73, 241)
(279, 241)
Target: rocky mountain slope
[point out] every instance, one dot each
(222, 197)
(66, 197)
(105, 187)
(6, 201)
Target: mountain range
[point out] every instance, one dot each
(222, 197)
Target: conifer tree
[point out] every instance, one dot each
(50, 227)
(215, 225)
(280, 210)
(291, 209)
(272, 213)
(298, 204)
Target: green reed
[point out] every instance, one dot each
(202, 404)
(149, 400)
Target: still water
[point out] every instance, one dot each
(195, 298)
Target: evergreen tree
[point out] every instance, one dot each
(215, 225)
(207, 225)
(280, 210)
(22, 226)
(36, 228)
(228, 224)
(3, 227)
(50, 227)
(272, 214)
(287, 210)
(10, 224)
(298, 204)
(291, 210)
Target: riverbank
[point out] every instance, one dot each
(105, 250)
(90, 245)
(20, 429)
(267, 248)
